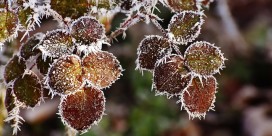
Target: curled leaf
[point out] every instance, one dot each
(28, 48)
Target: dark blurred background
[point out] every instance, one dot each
(243, 107)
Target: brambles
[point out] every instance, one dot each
(83, 108)
(190, 77)
(70, 62)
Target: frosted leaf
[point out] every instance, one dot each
(101, 69)
(28, 89)
(199, 96)
(8, 25)
(170, 76)
(28, 48)
(151, 49)
(70, 8)
(24, 16)
(181, 5)
(185, 26)
(83, 108)
(14, 68)
(57, 43)
(10, 99)
(43, 64)
(87, 30)
(204, 58)
(64, 76)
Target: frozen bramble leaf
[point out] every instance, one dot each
(170, 76)
(15, 68)
(181, 5)
(87, 30)
(64, 76)
(70, 8)
(28, 48)
(83, 108)
(101, 69)
(57, 43)
(151, 49)
(28, 89)
(204, 58)
(185, 26)
(199, 96)
(24, 15)
(8, 24)
(10, 99)
(43, 64)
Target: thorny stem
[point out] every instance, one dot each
(130, 21)
(158, 25)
